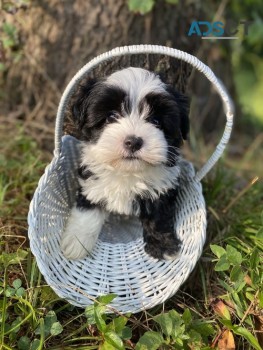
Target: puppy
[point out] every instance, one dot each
(131, 125)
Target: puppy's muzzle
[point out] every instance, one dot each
(133, 143)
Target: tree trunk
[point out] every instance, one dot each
(59, 37)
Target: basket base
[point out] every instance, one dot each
(130, 226)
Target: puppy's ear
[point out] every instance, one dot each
(80, 103)
(183, 106)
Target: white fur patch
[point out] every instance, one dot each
(109, 150)
(137, 82)
(118, 188)
(81, 232)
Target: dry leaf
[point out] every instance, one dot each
(221, 309)
(226, 342)
(248, 280)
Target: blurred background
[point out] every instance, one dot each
(43, 44)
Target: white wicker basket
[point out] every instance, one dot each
(118, 263)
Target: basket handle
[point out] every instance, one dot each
(151, 49)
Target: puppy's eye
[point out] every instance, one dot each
(112, 117)
(155, 122)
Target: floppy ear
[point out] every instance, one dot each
(183, 107)
(80, 103)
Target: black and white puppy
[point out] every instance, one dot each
(131, 125)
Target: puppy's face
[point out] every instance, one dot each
(131, 120)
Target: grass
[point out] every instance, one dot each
(222, 309)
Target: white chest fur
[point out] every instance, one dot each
(117, 190)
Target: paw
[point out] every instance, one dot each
(81, 233)
(161, 252)
(73, 249)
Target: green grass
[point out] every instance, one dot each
(224, 304)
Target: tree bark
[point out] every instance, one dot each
(59, 37)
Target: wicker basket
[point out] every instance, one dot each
(118, 263)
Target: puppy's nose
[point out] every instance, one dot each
(133, 143)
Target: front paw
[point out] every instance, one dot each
(72, 248)
(161, 251)
(81, 233)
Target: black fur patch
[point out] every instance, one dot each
(84, 173)
(93, 104)
(169, 112)
(158, 219)
(83, 203)
(182, 102)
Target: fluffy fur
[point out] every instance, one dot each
(131, 125)
(76, 242)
